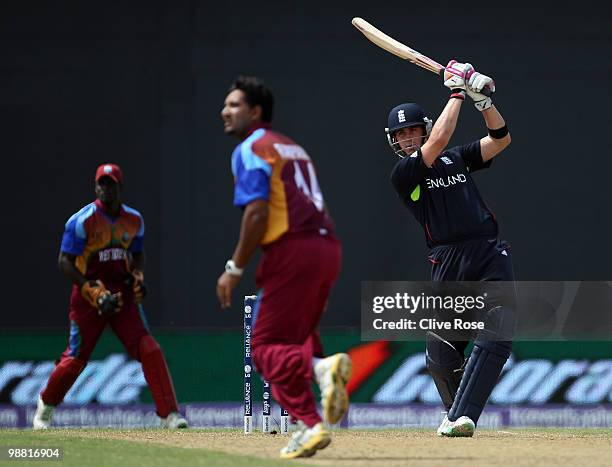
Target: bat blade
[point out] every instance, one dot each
(398, 49)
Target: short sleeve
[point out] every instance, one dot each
(408, 174)
(75, 237)
(471, 155)
(137, 244)
(251, 176)
(251, 185)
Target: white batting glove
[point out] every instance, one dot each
(475, 84)
(457, 74)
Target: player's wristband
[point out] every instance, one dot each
(457, 94)
(231, 268)
(498, 133)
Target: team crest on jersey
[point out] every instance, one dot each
(400, 116)
(125, 237)
(446, 160)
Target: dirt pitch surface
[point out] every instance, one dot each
(586, 448)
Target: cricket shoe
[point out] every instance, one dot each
(305, 442)
(43, 415)
(174, 421)
(332, 374)
(462, 427)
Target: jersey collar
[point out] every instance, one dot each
(257, 126)
(100, 205)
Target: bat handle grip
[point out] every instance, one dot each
(486, 91)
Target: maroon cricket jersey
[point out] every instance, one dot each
(268, 165)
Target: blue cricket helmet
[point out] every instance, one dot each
(407, 115)
(404, 116)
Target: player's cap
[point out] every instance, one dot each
(110, 170)
(406, 115)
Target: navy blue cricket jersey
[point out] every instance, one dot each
(444, 198)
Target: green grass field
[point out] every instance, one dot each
(373, 448)
(89, 448)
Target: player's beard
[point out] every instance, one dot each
(237, 127)
(109, 199)
(228, 128)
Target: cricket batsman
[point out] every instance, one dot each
(102, 253)
(436, 185)
(283, 211)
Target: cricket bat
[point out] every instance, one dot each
(401, 50)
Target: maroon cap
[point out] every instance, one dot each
(109, 170)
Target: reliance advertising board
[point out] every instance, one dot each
(543, 384)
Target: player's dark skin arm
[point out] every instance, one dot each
(442, 131)
(138, 261)
(67, 264)
(252, 230)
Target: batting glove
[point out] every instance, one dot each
(457, 74)
(475, 84)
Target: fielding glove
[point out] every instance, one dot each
(136, 281)
(109, 304)
(100, 298)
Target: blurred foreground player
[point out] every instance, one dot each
(283, 211)
(435, 183)
(102, 253)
